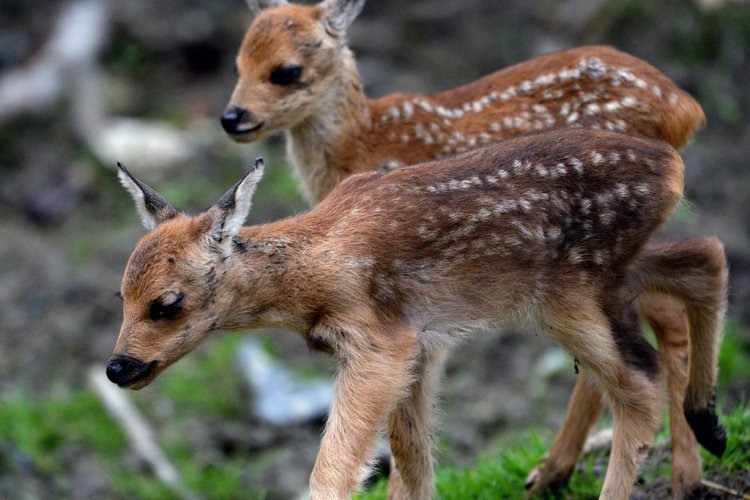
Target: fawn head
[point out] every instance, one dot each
(170, 289)
(291, 55)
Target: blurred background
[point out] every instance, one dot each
(86, 83)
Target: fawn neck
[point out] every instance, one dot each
(327, 147)
(277, 295)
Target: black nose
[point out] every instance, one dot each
(234, 117)
(124, 369)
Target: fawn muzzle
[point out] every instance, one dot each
(237, 121)
(126, 371)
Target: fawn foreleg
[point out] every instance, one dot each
(374, 374)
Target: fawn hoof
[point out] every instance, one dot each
(707, 429)
(547, 476)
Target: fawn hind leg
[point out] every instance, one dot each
(409, 434)
(607, 342)
(585, 407)
(668, 319)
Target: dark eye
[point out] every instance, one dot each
(286, 75)
(163, 310)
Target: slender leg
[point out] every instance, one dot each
(636, 407)
(584, 409)
(606, 341)
(409, 435)
(668, 320)
(371, 382)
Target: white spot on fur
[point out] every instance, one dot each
(629, 101)
(408, 110)
(592, 109)
(597, 158)
(504, 207)
(576, 164)
(558, 171)
(612, 106)
(545, 80)
(585, 206)
(572, 117)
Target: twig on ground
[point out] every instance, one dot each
(724, 489)
(140, 435)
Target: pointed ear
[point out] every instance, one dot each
(231, 210)
(257, 5)
(340, 14)
(152, 207)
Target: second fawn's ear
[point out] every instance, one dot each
(152, 207)
(340, 14)
(231, 210)
(257, 5)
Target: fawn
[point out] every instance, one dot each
(392, 268)
(297, 74)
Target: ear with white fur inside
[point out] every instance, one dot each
(231, 210)
(340, 14)
(152, 207)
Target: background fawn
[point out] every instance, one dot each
(540, 228)
(297, 74)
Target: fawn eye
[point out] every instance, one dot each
(166, 309)
(286, 75)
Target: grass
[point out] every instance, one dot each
(502, 475)
(43, 434)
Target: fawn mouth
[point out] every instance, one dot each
(240, 132)
(139, 379)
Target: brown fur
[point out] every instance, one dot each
(392, 269)
(333, 130)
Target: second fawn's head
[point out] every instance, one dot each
(290, 57)
(172, 298)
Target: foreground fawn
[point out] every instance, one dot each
(297, 74)
(393, 268)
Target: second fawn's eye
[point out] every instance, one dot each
(286, 75)
(166, 309)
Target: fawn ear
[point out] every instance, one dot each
(257, 5)
(230, 212)
(340, 14)
(152, 207)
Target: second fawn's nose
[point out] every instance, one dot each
(234, 117)
(121, 368)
